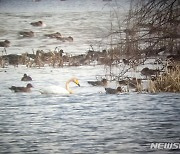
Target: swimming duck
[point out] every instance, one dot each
(26, 78)
(103, 82)
(69, 38)
(37, 24)
(113, 91)
(53, 35)
(22, 89)
(60, 90)
(27, 33)
(63, 39)
(5, 43)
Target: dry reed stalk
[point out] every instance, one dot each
(169, 82)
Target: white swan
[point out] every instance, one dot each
(60, 90)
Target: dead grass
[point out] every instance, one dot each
(167, 82)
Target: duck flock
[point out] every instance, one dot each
(134, 83)
(67, 90)
(58, 58)
(30, 34)
(23, 89)
(37, 58)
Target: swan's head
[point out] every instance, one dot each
(76, 81)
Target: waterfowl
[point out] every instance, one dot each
(26, 78)
(5, 43)
(103, 82)
(27, 33)
(148, 72)
(113, 91)
(60, 90)
(69, 38)
(63, 39)
(22, 89)
(38, 24)
(53, 35)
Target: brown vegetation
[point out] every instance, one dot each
(167, 82)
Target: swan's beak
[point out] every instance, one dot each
(77, 82)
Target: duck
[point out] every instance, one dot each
(5, 43)
(26, 78)
(113, 91)
(22, 89)
(103, 82)
(69, 38)
(53, 35)
(60, 90)
(27, 33)
(149, 72)
(63, 39)
(38, 24)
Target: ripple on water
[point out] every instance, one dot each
(88, 121)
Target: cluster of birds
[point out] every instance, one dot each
(104, 83)
(56, 35)
(29, 34)
(47, 90)
(67, 90)
(23, 89)
(133, 83)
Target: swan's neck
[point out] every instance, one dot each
(67, 86)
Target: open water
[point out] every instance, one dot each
(88, 121)
(88, 21)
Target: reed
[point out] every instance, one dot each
(167, 82)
